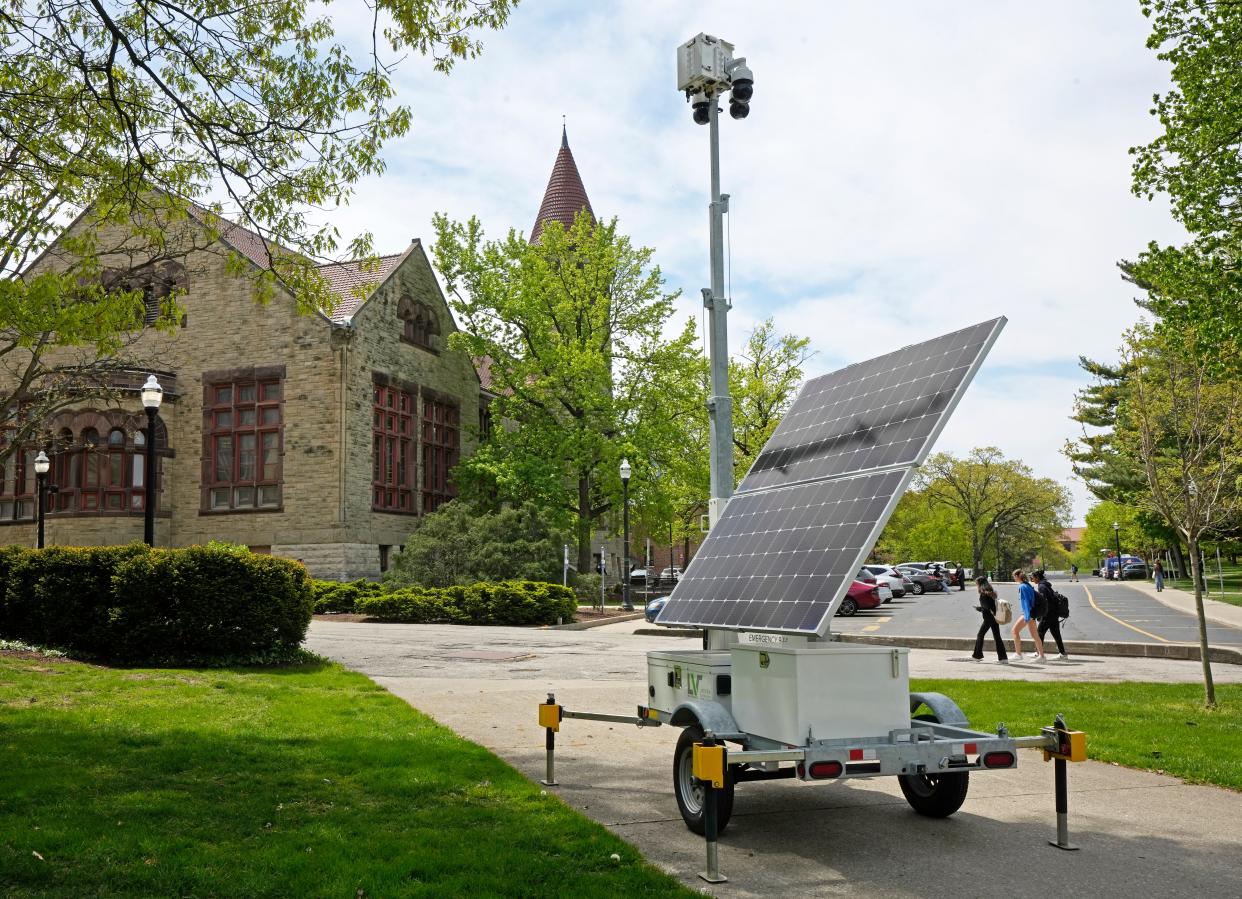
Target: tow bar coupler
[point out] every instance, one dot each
(1070, 746)
(710, 765)
(550, 721)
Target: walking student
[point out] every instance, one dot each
(1157, 572)
(1026, 616)
(1073, 572)
(987, 607)
(1051, 619)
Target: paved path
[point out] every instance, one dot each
(1141, 834)
(1099, 610)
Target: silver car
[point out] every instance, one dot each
(886, 574)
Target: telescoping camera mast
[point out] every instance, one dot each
(773, 694)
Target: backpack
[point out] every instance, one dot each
(1062, 605)
(1040, 609)
(1003, 613)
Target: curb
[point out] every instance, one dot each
(1185, 652)
(587, 625)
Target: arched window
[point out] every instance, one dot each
(420, 326)
(99, 473)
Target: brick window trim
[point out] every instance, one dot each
(394, 446)
(236, 378)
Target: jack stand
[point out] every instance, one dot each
(1062, 840)
(711, 820)
(550, 716)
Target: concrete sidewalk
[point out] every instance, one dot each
(1142, 834)
(1214, 610)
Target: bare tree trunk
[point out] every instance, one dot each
(1209, 689)
(1179, 562)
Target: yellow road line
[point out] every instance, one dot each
(872, 627)
(885, 620)
(1091, 599)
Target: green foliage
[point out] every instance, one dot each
(575, 328)
(334, 596)
(458, 544)
(132, 603)
(1196, 160)
(515, 603)
(958, 503)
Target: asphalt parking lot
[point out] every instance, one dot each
(1142, 834)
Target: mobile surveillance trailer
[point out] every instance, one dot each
(781, 698)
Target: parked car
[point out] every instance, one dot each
(653, 608)
(922, 581)
(1135, 571)
(670, 575)
(861, 595)
(887, 574)
(638, 576)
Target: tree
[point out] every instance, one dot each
(922, 530)
(1185, 423)
(142, 121)
(461, 544)
(986, 490)
(1197, 161)
(573, 327)
(1099, 535)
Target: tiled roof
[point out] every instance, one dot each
(343, 277)
(565, 196)
(240, 238)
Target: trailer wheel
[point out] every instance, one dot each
(934, 795)
(688, 790)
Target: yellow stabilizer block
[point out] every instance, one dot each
(1072, 748)
(709, 764)
(550, 716)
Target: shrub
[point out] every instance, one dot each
(335, 596)
(505, 603)
(132, 603)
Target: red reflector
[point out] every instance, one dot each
(825, 769)
(856, 755)
(998, 760)
(972, 748)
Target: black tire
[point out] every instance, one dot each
(934, 795)
(689, 794)
(917, 589)
(849, 606)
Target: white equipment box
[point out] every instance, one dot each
(673, 677)
(795, 695)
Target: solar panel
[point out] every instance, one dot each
(790, 542)
(776, 559)
(883, 412)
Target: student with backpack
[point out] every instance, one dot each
(990, 606)
(1048, 611)
(1026, 617)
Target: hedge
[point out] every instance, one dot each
(334, 596)
(504, 603)
(132, 603)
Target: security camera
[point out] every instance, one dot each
(698, 102)
(743, 80)
(739, 110)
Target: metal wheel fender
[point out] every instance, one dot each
(711, 716)
(944, 708)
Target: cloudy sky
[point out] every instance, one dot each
(907, 169)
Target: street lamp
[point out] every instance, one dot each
(998, 575)
(625, 527)
(1117, 534)
(152, 396)
(41, 466)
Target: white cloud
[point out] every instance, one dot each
(907, 169)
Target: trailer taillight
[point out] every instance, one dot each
(998, 760)
(823, 770)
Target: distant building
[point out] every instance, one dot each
(1070, 538)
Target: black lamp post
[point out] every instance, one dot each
(999, 576)
(1117, 534)
(41, 466)
(152, 395)
(625, 517)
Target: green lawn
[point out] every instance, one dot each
(305, 781)
(1160, 727)
(1232, 575)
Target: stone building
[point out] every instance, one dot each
(314, 436)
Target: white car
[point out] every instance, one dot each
(886, 574)
(886, 592)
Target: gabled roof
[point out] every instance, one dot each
(344, 277)
(565, 196)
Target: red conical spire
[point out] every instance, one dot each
(565, 196)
